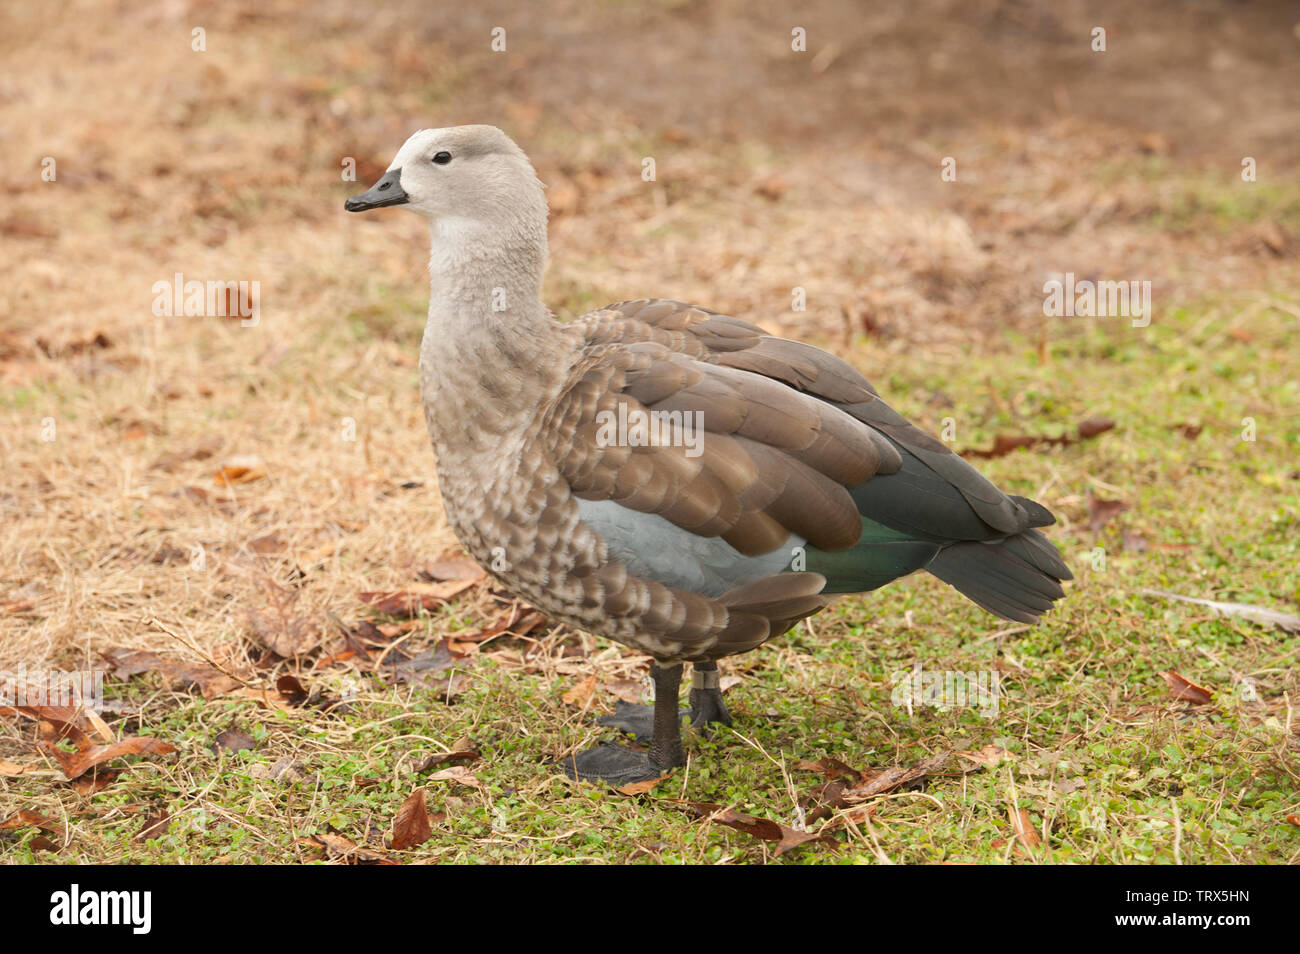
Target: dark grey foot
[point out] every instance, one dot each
(706, 696)
(620, 765)
(637, 721)
(615, 764)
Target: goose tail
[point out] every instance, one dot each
(1017, 578)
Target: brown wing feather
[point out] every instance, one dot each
(788, 430)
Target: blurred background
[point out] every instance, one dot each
(137, 447)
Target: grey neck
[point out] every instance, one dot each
(491, 350)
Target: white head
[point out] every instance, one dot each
(473, 173)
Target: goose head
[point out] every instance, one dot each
(473, 173)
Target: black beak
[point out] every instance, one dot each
(387, 191)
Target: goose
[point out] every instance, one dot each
(665, 475)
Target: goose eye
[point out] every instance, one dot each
(442, 158)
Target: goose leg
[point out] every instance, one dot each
(620, 765)
(706, 706)
(706, 696)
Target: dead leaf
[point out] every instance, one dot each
(438, 758)
(267, 545)
(1092, 426)
(76, 723)
(284, 634)
(339, 848)
(96, 780)
(411, 826)
(11, 769)
(456, 568)
(209, 681)
(428, 663)
(285, 770)
(1180, 687)
(76, 764)
(640, 788)
(626, 690)
(1101, 512)
(26, 818)
(292, 690)
(580, 695)
(27, 228)
(1004, 444)
(200, 451)
(990, 756)
(308, 560)
(786, 838)
(233, 740)
(1023, 826)
(1189, 431)
(418, 598)
(155, 825)
(240, 469)
(1133, 542)
(514, 623)
(458, 774)
(896, 777)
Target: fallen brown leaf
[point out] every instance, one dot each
(411, 826)
(765, 829)
(438, 758)
(233, 740)
(240, 469)
(340, 848)
(640, 788)
(1180, 687)
(428, 663)
(418, 598)
(896, 777)
(26, 818)
(209, 681)
(458, 774)
(455, 568)
(201, 451)
(1092, 426)
(514, 623)
(76, 764)
(76, 723)
(292, 689)
(627, 690)
(1004, 444)
(1023, 826)
(990, 756)
(284, 634)
(155, 825)
(1100, 512)
(96, 780)
(580, 695)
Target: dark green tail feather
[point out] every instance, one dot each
(1016, 578)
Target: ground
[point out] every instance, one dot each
(222, 494)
